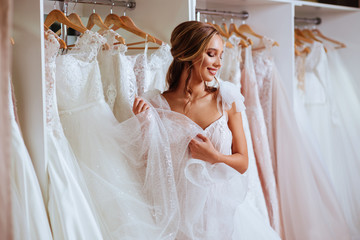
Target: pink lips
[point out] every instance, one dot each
(212, 71)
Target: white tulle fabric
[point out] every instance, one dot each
(29, 219)
(334, 120)
(212, 197)
(134, 202)
(118, 77)
(263, 67)
(309, 205)
(72, 214)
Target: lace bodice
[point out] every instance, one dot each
(158, 65)
(78, 75)
(230, 70)
(316, 75)
(109, 63)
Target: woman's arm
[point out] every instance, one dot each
(204, 149)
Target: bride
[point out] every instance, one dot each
(204, 129)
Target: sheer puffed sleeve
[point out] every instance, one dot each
(229, 93)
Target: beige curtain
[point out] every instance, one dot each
(5, 59)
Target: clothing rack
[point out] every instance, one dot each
(315, 21)
(242, 15)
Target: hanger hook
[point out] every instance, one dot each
(55, 4)
(212, 19)
(112, 5)
(94, 7)
(73, 10)
(231, 19)
(124, 13)
(223, 19)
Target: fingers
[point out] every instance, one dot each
(139, 105)
(202, 137)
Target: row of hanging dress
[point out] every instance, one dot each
(301, 200)
(29, 215)
(326, 98)
(113, 165)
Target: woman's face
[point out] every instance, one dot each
(206, 67)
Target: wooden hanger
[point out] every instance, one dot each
(245, 28)
(318, 33)
(58, 16)
(234, 29)
(223, 34)
(75, 18)
(61, 42)
(309, 34)
(225, 29)
(127, 24)
(299, 36)
(95, 19)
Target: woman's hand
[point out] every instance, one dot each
(203, 150)
(139, 105)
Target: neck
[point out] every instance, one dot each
(195, 84)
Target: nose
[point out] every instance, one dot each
(217, 62)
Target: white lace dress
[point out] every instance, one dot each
(110, 155)
(212, 198)
(118, 77)
(29, 219)
(263, 114)
(158, 64)
(72, 214)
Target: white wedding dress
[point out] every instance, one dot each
(72, 214)
(232, 73)
(333, 109)
(29, 219)
(212, 197)
(111, 155)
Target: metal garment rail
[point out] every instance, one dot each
(242, 15)
(315, 21)
(128, 4)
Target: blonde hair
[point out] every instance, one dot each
(188, 41)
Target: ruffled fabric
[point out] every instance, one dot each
(211, 196)
(230, 94)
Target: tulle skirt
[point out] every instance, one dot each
(134, 202)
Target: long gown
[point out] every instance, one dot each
(111, 155)
(263, 66)
(309, 206)
(334, 112)
(72, 214)
(29, 217)
(212, 198)
(232, 73)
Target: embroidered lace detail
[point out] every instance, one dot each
(78, 75)
(52, 117)
(230, 70)
(141, 71)
(87, 46)
(158, 65)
